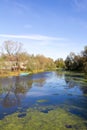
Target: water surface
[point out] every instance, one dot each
(48, 90)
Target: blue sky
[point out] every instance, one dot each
(53, 28)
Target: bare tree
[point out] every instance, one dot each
(12, 50)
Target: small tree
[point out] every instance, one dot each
(12, 50)
(60, 63)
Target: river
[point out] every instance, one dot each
(44, 92)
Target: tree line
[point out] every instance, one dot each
(78, 62)
(74, 62)
(14, 58)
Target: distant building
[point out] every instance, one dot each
(13, 65)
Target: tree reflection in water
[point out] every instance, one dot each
(14, 93)
(72, 82)
(14, 89)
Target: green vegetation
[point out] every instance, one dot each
(41, 101)
(77, 62)
(60, 63)
(73, 62)
(13, 60)
(57, 119)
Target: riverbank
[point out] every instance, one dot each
(17, 73)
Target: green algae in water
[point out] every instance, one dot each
(41, 101)
(57, 119)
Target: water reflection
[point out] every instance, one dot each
(73, 82)
(12, 91)
(84, 89)
(55, 87)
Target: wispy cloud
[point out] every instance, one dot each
(21, 6)
(80, 5)
(33, 37)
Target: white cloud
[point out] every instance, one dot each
(33, 37)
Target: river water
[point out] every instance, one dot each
(47, 89)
